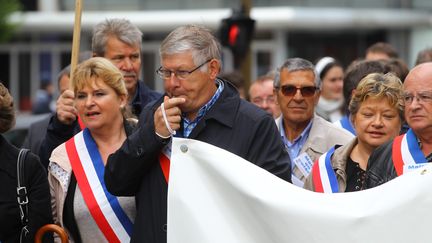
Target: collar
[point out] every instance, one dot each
(135, 102)
(303, 134)
(188, 126)
(203, 110)
(224, 109)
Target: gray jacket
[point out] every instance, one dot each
(322, 136)
(338, 162)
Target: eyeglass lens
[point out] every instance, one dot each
(290, 90)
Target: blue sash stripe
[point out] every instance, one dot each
(414, 148)
(330, 172)
(346, 124)
(100, 169)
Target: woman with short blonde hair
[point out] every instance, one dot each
(376, 110)
(80, 201)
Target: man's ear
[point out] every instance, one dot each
(275, 94)
(214, 67)
(317, 96)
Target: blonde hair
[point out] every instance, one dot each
(378, 85)
(99, 67)
(7, 112)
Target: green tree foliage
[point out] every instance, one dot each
(7, 7)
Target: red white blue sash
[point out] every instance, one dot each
(164, 160)
(323, 175)
(105, 208)
(406, 153)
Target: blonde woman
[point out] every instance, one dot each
(80, 201)
(376, 110)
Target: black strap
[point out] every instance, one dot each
(22, 193)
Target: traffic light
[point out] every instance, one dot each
(236, 32)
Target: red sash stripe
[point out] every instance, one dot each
(164, 162)
(87, 192)
(397, 155)
(316, 178)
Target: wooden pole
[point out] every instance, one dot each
(76, 38)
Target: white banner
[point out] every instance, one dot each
(216, 196)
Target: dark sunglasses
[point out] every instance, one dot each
(291, 90)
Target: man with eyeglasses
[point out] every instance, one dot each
(261, 95)
(306, 135)
(413, 149)
(196, 105)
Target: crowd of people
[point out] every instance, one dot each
(99, 166)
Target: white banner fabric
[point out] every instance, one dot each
(216, 196)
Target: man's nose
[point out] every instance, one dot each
(126, 64)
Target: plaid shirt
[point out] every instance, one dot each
(188, 126)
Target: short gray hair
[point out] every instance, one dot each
(122, 29)
(296, 64)
(195, 38)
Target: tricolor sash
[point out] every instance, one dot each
(406, 153)
(346, 124)
(105, 208)
(323, 175)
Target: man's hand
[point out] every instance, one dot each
(173, 116)
(66, 112)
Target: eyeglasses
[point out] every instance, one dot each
(260, 100)
(291, 90)
(180, 74)
(421, 97)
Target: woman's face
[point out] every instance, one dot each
(99, 105)
(376, 122)
(332, 84)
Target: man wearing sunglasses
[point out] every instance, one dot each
(306, 135)
(196, 105)
(412, 150)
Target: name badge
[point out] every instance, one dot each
(304, 163)
(412, 167)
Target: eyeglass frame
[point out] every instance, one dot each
(423, 97)
(297, 88)
(176, 72)
(259, 100)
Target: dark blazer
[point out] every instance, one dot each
(231, 123)
(58, 133)
(35, 135)
(380, 168)
(37, 191)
